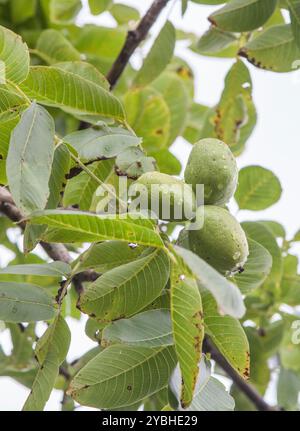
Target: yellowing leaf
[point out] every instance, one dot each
(188, 329)
(14, 53)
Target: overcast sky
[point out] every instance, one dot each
(274, 145)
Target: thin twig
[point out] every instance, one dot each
(242, 384)
(54, 251)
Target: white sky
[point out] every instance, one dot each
(274, 145)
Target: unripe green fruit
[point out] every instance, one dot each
(221, 241)
(171, 199)
(212, 163)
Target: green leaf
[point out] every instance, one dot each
(235, 115)
(290, 346)
(30, 158)
(101, 143)
(3, 178)
(217, 42)
(227, 334)
(132, 162)
(86, 71)
(57, 182)
(274, 49)
(213, 397)
(10, 105)
(99, 6)
(277, 229)
(24, 377)
(2, 73)
(159, 56)
(258, 188)
(188, 328)
(5, 131)
(51, 350)
(127, 289)
(296, 236)
(271, 336)
(227, 295)
(264, 236)
(210, 394)
(107, 255)
(64, 11)
(80, 189)
(22, 10)
(294, 9)
(148, 329)
(288, 388)
(22, 302)
(242, 402)
(210, 2)
(184, 5)
(174, 92)
(243, 15)
(75, 226)
(53, 269)
(149, 116)
(162, 301)
(256, 269)
(167, 162)
(260, 373)
(175, 385)
(277, 17)
(290, 284)
(14, 53)
(63, 89)
(123, 14)
(101, 42)
(196, 122)
(122, 375)
(22, 340)
(53, 47)
(93, 329)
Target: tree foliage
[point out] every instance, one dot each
(74, 119)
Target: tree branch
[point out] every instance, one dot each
(54, 251)
(134, 38)
(245, 387)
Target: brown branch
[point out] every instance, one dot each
(242, 384)
(54, 251)
(8, 208)
(134, 38)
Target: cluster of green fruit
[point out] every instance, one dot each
(220, 241)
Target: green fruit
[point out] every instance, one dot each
(169, 198)
(221, 241)
(212, 163)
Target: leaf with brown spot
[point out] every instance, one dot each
(234, 112)
(273, 49)
(188, 329)
(227, 334)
